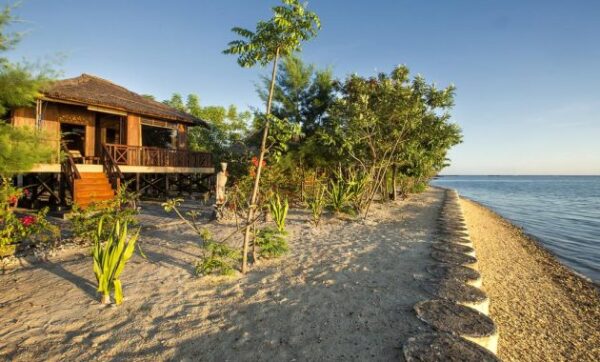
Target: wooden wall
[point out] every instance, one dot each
(25, 117)
(134, 130)
(56, 113)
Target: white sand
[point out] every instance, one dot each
(344, 292)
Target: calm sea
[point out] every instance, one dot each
(563, 212)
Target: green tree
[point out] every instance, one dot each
(225, 135)
(176, 102)
(302, 93)
(20, 84)
(281, 35)
(385, 121)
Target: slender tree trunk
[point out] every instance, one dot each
(263, 147)
(394, 189)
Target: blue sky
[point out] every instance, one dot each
(527, 72)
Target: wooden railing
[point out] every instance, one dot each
(68, 166)
(111, 168)
(154, 156)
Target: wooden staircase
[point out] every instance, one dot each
(92, 187)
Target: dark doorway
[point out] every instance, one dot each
(74, 137)
(109, 129)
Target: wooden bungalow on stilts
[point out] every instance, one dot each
(108, 135)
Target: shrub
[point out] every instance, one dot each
(120, 208)
(14, 229)
(357, 188)
(218, 259)
(272, 243)
(279, 212)
(339, 195)
(110, 257)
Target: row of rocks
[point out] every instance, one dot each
(459, 308)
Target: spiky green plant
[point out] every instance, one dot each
(110, 257)
(339, 195)
(279, 211)
(272, 243)
(317, 204)
(357, 188)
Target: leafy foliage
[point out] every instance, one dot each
(20, 148)
(281, 35)
(217, 258)
(272, 243)
(121, 208)
(110, 256)
(391, 121)
(14, 229)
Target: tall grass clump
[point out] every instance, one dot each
(317, 205)
(279, 211)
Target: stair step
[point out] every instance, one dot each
(93, 181)
(80, 199)
(93, 187)
(92, 175)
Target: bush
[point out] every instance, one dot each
(339, 195)
(110, 256)
(14, 229)
(119, 208)
(218, 258)
(272, 243)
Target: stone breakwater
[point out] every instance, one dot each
(459, 307)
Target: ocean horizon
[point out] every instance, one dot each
(561, 211)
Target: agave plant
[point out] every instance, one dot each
(279, 211)
(339, 195)
(317, 204)
(110, 257)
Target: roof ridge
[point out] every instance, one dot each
(84, 75)
(158, 103)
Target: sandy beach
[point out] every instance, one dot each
(345, 292)
(543, 310)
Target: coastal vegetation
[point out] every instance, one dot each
(329, 145)
(110, 255)
(326, 143)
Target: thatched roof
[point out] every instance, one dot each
(94, 91)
